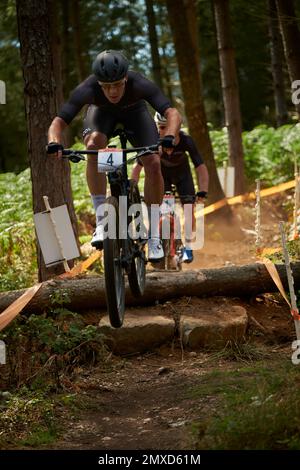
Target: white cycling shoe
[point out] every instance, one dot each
(98, 237)
(155, 250)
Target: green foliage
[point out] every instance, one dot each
(122, 25)
(269, 152)
(246, 352)
(81, 196)
(28, 417)
(249, 32)
(17, 243)
(252, 408)
(13, 147)
(40, 348)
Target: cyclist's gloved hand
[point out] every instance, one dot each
(167, 142)
(53, 147)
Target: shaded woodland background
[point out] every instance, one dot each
(227, 65)
(86, 27)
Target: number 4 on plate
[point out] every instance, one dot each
(109, 160)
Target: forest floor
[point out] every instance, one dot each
(172, 398)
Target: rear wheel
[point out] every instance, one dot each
(170, 247)
(137, 271)
(166, 248)
(113, 272)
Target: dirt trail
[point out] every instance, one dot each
(145, 402)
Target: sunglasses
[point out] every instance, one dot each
(113, 85)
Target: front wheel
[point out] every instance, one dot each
(113, 271)
(137, 271)
(137, 275)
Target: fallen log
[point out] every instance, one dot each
(89, 292)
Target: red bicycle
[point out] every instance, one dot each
(170, 232)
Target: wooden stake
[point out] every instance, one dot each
(225, 164)
(258, 218)
(296, 204)
(289, 273)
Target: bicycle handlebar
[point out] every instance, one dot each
(68, 153)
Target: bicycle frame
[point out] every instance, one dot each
(172, 246)
(119, 186)
(120, 253)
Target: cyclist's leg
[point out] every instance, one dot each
(172, 229)
(98, 126)
(186, 190)
(140, 123)
(165, 230)
(144, 132)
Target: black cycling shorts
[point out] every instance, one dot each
(181, 177)
(135, 119)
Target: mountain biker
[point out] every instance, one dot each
(116, 95)
(176, 170)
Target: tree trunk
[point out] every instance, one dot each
(291, 39)
(156, 65)
(230, 93)
(66, 52)
(56, 51)
(277, 65)
(80, 63)
(183, 21)
(89, 292)
(165, 58)
(167, 78)
(49, 177)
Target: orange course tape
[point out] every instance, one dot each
(275, 276)
(295, 314)
(248, 196)
(15, 308)
(268, 251)
(82, 267)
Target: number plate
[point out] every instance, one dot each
(109, 160)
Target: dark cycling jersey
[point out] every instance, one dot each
(138, 89)
(178, 156)
(176, 170)
(182, 178)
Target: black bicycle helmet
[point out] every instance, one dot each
(110, 66)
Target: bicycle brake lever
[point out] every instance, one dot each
(75, 158)
(142, 154)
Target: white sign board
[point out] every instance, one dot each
(109, 160)
(228, 185)
(2, 92)
(49, 233)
